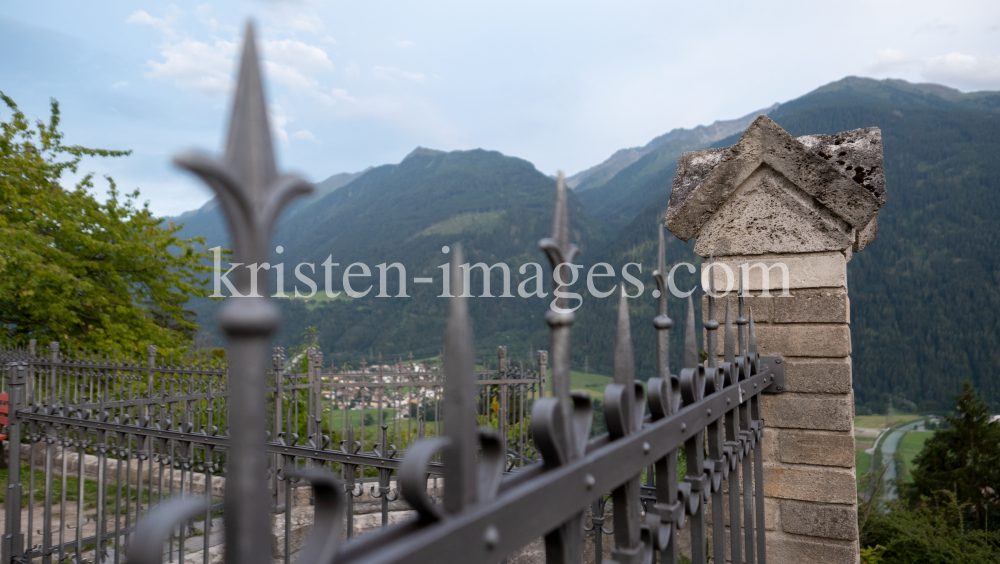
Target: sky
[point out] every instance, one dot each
(357, 84)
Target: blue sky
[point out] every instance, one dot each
(357, 84)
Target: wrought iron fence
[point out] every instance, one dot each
(710, 412)
(149, 431)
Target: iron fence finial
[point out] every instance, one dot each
(729, 347)
(690, 343)
(459, 399)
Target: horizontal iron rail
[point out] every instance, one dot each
(219, 441)
(533, 507)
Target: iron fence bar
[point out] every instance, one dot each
(746, 438)
(13, 542)
(735, 448)
(517, 512)
(714, 379)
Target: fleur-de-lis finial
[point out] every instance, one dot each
(664, 388)
(246, 181)
(690, 344)
(662, 321)
(252, 195)
(558, 247)
(623, 409)
(740, 320)
(465, 482)
(624, 368)
(711, 324)
(559, 425)
(459, 400)
(729, 346)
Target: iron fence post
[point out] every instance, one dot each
(53, 358)
(13, 538)
(30, 381)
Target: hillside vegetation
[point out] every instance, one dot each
(925, 296)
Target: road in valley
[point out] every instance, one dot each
(889, 446)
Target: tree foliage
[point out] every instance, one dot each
(963, 458)
(932, 532)
(106, 274)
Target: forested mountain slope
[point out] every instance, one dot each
(498, 207)
(925, 297)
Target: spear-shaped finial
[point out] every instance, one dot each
(624, 359)
(740, 320)
(251, 192)
(459, 399)
(711, 325)
(249, 153)
(662, 321)
(690, 344)
(558, 247)
(729, 345)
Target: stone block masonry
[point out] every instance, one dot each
(786, 215)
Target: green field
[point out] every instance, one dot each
(879, 421)
(910, 446)
(593, 384)
(863, 460)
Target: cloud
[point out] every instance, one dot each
(207, 66)
(297, 54)
(329, 39)
(304, 134)
(276, 115)
(164, 25)
(342, 95)
(121, 84)
(965, 72)
(194, 65)
(293, 20)
(392, 73)
(405, 44)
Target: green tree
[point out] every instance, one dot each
(101, 275)
(933, 532)
(963, 458)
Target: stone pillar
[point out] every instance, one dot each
(786, 214)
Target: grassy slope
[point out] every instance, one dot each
(910, 446)
(593, 384)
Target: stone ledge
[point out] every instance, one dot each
(821, 412)
(816, 447)
(818, 375)
(807, 340)
(809, 305)
(823, 484)
(786, 549)
(805, 270)
(820, 520)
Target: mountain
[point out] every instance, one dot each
(498, 207)
(925, 295)
(207, 221)
(618, 188)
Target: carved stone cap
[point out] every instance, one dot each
(772, 193)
